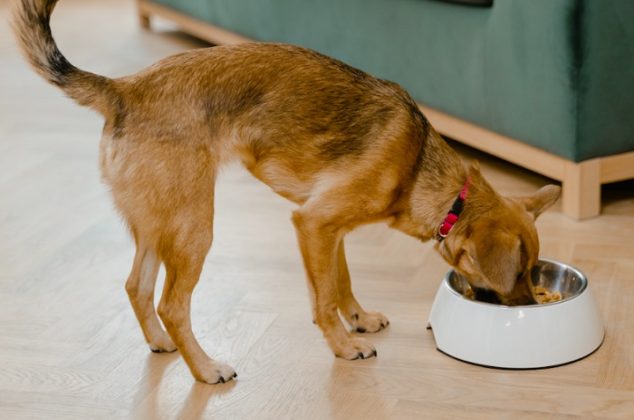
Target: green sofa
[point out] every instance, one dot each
(547, 84)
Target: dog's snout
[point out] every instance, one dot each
(521, 293)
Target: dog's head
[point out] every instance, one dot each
(496, 244)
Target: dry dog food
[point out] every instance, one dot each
(543, 295)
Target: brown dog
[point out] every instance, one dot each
(348, 148)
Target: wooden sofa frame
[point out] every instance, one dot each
(581, 181)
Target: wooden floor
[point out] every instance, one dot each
(70, 346)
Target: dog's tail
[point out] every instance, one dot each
(31, 25)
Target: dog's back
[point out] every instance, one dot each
(292, 116)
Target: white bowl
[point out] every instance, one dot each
(519, 337)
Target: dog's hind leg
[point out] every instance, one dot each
(184, 247)
(360, 320)
(140, 288)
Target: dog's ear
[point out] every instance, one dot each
(451, 249)
(495, 255)
(541, 200)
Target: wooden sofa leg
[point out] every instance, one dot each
(581, 197)
(144, 18)
(144, 21)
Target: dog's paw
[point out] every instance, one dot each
(369, 322)
(162, 345)
(215, 373)
(357, 348)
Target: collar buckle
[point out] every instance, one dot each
(454, 214)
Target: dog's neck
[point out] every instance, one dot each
(440, 177)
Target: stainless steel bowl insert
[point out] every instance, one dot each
(554, 276)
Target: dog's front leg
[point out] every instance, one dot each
(360, 320)
(319, 240)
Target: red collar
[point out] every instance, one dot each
(454, 214)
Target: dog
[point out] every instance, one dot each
(347, 148)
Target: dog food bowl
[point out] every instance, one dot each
(519, 337)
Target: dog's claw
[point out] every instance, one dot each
(159, 350)
(162, 345)
(369, 322)
(362, 356)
